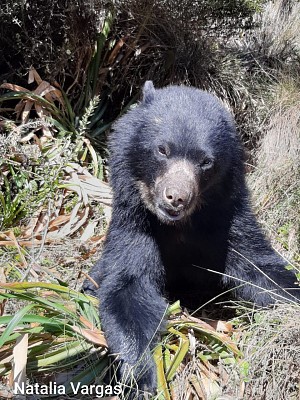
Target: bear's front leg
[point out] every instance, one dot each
(132, 317)
(256, 269)
(132, 308)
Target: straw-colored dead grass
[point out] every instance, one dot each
(272, 349)
(275, 182)
(278, 35)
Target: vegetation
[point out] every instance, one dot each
(68, 69)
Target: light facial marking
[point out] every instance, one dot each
(174, 195)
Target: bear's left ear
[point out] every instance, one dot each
(148, 92)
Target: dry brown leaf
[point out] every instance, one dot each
(31, 75)
(5, 350)
(58, 221)
(81, 191)
(98, 239)
(83, 217)
(75, 221)
(207, 369)
(223, 374)
(211, 387)
(34, 76)
(25, 243)
(41, 112)
(93, 335)
(2, 276)
(197, 387)
(116, 50)
(24, 106)
(35, 225)
(205, 325)
(88, 254)
(19, 107)
(89, 231)
(42, 88)
(55, 94)
(49, 93)
(66, 229)
(94, 188)
(189, 394)
(20, 360)
(11, 241)
(27, 108)
(86, 322)
(15, 88)
(221, 326)
(2, 280)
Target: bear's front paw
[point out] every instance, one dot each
(90, 287)
(139, 382)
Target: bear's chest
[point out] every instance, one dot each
(181, 248)
(189, 257)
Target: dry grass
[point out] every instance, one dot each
(272, 349)
(275, 182)
(278, 35)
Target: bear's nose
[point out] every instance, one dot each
(176, 197)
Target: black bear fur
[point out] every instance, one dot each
(158, 248)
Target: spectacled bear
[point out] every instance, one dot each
(181, 226)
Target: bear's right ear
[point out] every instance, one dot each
(148, 92)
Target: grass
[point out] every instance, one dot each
(275, 179)
(58, 327)
(270, 368)
(60, 331)
(278, 33)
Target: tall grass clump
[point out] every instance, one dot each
(270, 367)
(277, 41)
(275, 180)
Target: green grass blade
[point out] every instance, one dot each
(161, 378)
(14, 322)
(179, 355)
(51, 359)
(101, 39)
(21, 286)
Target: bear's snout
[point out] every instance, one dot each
(176, 191)
(177, 196)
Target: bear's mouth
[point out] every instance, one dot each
(170, 214)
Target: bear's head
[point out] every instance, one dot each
(182, 143)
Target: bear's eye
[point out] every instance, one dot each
(163, 150)
(207, 163)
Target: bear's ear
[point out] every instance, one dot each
(148, 92)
